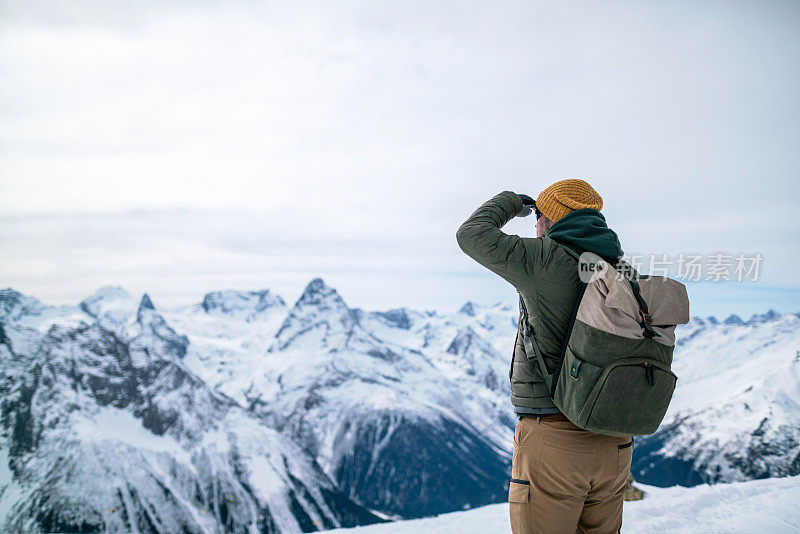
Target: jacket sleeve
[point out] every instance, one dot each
(482, 240)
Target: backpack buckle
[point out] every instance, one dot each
(527, 329)
(647, 326)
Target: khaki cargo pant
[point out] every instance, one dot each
(565, 480)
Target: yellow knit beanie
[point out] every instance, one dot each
(565, 196)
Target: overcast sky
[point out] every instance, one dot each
(209, 145)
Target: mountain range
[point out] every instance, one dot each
(241, 412)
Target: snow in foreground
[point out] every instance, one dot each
(769, 505)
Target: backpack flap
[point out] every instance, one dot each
(666, 299)
(617, 310)
(608, 305)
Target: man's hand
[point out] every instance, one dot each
(527, 205)
(526, 200)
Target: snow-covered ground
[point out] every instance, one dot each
(759, 506)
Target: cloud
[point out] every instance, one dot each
(353, 138)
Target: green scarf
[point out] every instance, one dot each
(586, 230)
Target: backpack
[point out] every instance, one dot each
(613, 375)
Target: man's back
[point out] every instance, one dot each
(545, 273)
(563, 479)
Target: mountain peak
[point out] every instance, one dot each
(14, 304)
(107, 298)
(318, 294)
(396, 317)
(316, 291)
(111, 292)
(733, 320)
(145, 306)
(151, 331)
(235, 302)
(316, 283)
(10, 293)
(319, 309)
(146, 313)
(146, 303)
(468, 309)
(464, 337)
(763, 317)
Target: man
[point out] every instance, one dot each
(563, 479)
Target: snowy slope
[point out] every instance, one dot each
(229, 331)
(103, 427)
(736, 410)
(392, 416)
(768, 506)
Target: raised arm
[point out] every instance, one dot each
(482, 240)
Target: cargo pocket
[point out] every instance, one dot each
(518, 490)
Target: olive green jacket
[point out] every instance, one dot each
(546, 276)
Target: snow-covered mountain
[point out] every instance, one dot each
(726, 369)
(242, 412)
(394, 406)
(107, 429)
(736, 410)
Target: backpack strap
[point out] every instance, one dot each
(646, 323)
(529, 341)
(563, 352)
